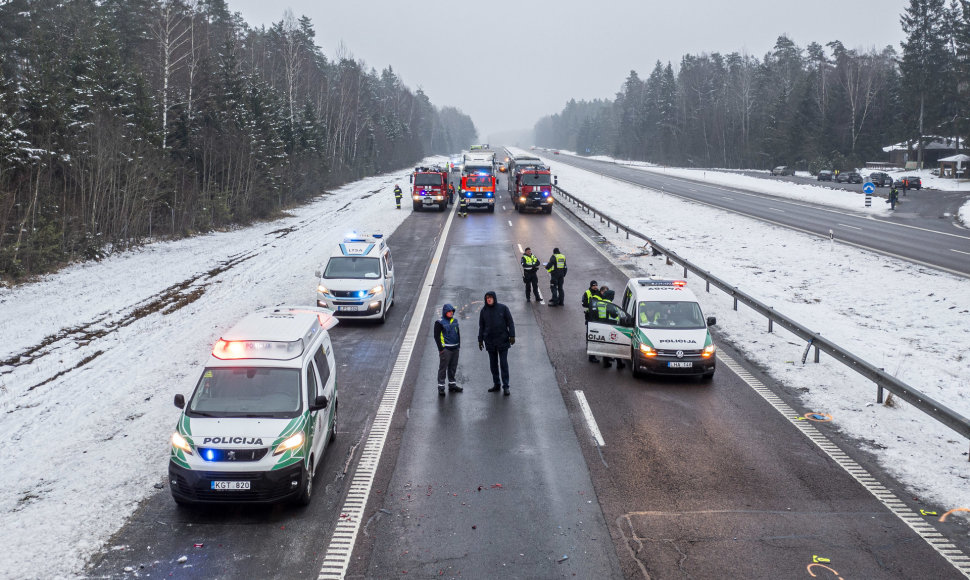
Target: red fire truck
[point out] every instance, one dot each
(429, 187)
(532, 188)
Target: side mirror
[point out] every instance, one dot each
(317, 274)
(555, 180)
(320, 402)
(711, 321)
(180, 401)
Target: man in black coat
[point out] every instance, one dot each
(496, 333)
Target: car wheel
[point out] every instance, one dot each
(333, 426)
(417, 206)
(383, 317)
(491, 209)
(634, 367)
(306, 494)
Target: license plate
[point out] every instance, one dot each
(348, 308)
(428, 201)
(229, 485)
(680, 365)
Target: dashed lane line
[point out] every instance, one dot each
(590, 420)
(337, 557)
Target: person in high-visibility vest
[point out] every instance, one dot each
(603, 310)
(397, 195)
(462, 204)
(589, 295)
(556, 266)
(530, 275)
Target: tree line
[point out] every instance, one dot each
(813, 108)
(122, 120)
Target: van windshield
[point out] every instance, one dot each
(247, 392)
(670, 315)
(353, 267)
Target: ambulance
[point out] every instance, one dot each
(358, 280)
(659, 327)
(262, 414)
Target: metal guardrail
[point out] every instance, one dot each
(883, 380)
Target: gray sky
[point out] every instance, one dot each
(508, 64)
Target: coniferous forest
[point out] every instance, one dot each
(128, 120)
(818, 107)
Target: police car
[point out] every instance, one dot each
(358, 280)
(659, 327)
(256, 426)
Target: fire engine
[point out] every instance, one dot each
(478, 181)
(429, 188)
(532, 188)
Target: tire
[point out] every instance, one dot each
(547, 210)
(306, 493)
(491, 209)
(417, 206)
(634, 367)
(383, 317)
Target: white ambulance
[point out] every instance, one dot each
(256, 426)
(358, 280)
(659, 327)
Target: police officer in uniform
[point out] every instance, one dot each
(556, 266)
(602, 309)
(397, 195)
(589, 295)
(530, 275)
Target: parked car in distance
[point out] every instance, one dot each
(825, 175)
(783, 170)
(909, 182)
(880, 179)
(849, 177)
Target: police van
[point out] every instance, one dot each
(358, 280)
(658, 326)
(265, 408)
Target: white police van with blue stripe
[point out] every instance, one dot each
(358, 280)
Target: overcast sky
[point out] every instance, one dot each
(506, 64)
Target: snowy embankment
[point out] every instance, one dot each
(912, 321)
(88, 414)
(808, 192)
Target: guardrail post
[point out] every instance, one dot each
(708, 286)
(816, 353)
(735, 300)
(628, 234)
(879, 393)
(771, 325)
(685, 271)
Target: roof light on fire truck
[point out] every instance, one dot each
(545, 194)
(290, 443)
(181, 443)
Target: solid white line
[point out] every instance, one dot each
(848, 226)
(960, 251)
(590, 421)
(521, 251)
(339, 550)
(776, 209)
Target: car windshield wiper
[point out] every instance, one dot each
(202, 414)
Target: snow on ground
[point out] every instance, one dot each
(83, 449)
(801, 191)
(912, 321)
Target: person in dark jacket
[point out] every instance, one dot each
(556, 266)
(496, 333)
(447, 338)
(397, 195)
(530, 275)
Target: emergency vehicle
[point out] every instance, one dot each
(531, 188)
(262, 414)
(659, 327)
(478, 180)
(429, 188)
(358, 280)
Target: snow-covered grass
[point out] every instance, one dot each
(912, 321)
(82, 448)
(801, 191)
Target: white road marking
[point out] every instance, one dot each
(848, 226)
(911, 518)
(776, 209)
(510, 223)
(521, 251)
(590, 421)
(340, 548)
(960, 251)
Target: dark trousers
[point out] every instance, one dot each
(499, 357)
(447, 363)
(531, 283)
(555, 285)
(397, 198)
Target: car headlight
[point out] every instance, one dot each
(647, 350)
(708, 351)
(181, 443)
(376, 289)
(290, 443)
(322, 289)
